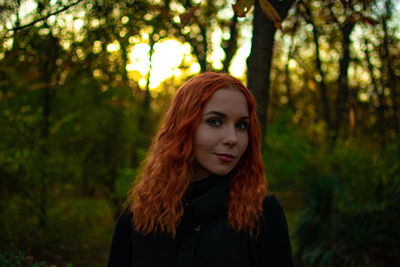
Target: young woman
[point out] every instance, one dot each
(201, 200)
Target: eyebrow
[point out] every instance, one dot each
(223, 114)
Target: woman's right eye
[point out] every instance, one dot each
(214, 122)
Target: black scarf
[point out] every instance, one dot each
(205, 201)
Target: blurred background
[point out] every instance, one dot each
(84, 84)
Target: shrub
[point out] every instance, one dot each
(287, 155)
(18, 258)
(351, 210)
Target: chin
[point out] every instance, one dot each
(222, 172)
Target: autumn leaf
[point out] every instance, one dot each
(185, 18)
(312, 85)
(352, 118)
(271, 13)
(242, 7)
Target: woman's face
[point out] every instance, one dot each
(222, 135)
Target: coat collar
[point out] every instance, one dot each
(204, 201)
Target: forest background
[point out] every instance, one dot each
(84, 85)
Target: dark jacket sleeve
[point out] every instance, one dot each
(273, 243)
(121, 246)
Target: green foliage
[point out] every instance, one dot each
(66, 133)
(19, 259)
(287, 154)
(351, 193)
(351, 209)
(74, 129)
(78, 231)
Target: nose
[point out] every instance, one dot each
(230, 137)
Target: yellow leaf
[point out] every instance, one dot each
(271, 13)
(242, 7)
(312, 85)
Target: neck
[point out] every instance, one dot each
(199, 172)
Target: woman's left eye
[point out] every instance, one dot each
(242, 125)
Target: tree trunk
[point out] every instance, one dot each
(287, 73)
(124, 58)
(321, 83)
(381, 98)
(388, 64)
(230, 46)
(260, 59)
(259, 63)
(343, 90)
(147, 96)
(48, 66)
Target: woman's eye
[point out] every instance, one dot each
(242, 125)
(214, 122)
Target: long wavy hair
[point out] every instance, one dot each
(156, 200)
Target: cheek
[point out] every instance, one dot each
(245, 143)
(200, 140)
(204, 138)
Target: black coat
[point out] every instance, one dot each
(203, 238)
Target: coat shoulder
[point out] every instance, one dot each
(271, 206)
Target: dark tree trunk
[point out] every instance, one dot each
(114, 153)
(380, 110)
(110, 184)
(124, 58)
(147, 96)
(203, 49)
(260, 59)
(321, 83)
(343, 90)
(230, 46)
(391, 81)
(287, 73)
(48, 66)
(259, 63)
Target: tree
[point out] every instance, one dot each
(307, 14)
(390, 79)
(197, 25)
(259, 61)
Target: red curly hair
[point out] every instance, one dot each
(167, 171)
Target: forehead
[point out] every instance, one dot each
(229, 101)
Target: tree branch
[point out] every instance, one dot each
(230, 45)
(330, 5)
(15, 29)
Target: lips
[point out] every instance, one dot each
(225, 157)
